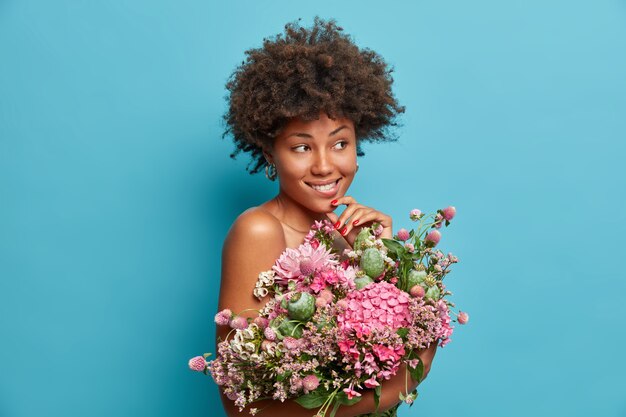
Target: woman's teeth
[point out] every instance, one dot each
(326, 187)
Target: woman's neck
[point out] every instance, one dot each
(293, 214)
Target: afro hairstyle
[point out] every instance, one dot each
(301, 73)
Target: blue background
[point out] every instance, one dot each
(116, 191)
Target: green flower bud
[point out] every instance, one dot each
(301, 306)
(372, 262)
(362, 281)
(361, 238)
(433, 293)
(416, 277)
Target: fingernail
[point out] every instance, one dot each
(344, 230)
(337, 225)
(355, 222)
(334, 202)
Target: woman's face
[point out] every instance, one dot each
(315, 161)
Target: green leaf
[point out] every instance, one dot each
(393, 246)
(377, 392)
(402, 332)
(314, 399)
(417, 372)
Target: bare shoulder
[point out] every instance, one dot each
(254, 242)
(253, 226)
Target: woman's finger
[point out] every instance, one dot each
(346, 199)
(347, 214)
(357, 216)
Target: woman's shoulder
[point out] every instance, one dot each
(255, 226)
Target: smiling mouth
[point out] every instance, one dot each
(326, 187)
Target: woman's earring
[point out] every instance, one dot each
(270, 171)
(357, 167)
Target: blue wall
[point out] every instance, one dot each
(116, 192)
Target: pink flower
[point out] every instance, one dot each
(415, 214)
(262, 322)
(305, 260)
(223, 317)
(409, 247)
(379, 230)
(417, 291)
(376, 306)
(371, 383)
(448, 213)
(394, 280)
(291, 343)
(310, 382)
(462, 317)
(321, 302)
(438, 221)
(239, 323)
(403, 235)
(351, 393)
(197, 363)
(269, 334)
(328, 295)
(433, 237)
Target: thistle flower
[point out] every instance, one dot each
(448, 213)
(197, 363)
(223, 317)
(239, 322)
(269, 334)
(462, 317)
(262, 322)
(433, 237)
(403, 235)
(415, 214)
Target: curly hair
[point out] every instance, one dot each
(300, 74)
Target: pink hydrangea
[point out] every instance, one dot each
(303, 261)
(375, 306)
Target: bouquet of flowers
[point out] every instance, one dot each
(333, 326)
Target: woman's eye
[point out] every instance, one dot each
(300, 148)
(341, 145)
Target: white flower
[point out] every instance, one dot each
(260, 292)
(248, 334)
(250, 347)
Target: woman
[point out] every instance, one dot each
(301, 105)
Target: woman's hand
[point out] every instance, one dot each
(356, 216)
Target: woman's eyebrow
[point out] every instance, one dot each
(306, 135)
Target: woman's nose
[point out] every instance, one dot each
(322, 164)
